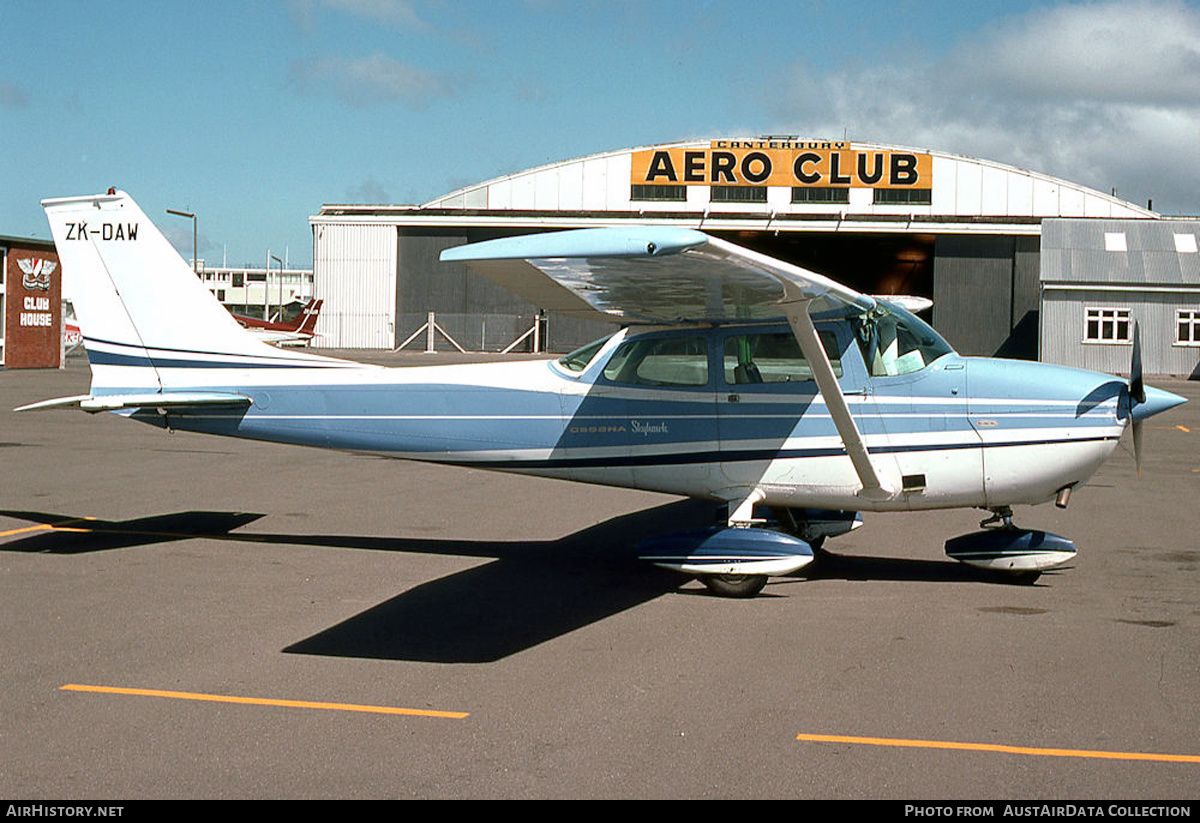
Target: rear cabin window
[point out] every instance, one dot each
(662, 361)
(773, 358)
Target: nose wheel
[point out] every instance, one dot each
(734, 585)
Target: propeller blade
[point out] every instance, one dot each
(1137, 447)
(1137, 395)
(1137, 389)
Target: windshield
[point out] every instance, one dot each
(577, 360)
(895, 342)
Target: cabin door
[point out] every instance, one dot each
(776, 433)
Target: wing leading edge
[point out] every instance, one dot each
(677, 275)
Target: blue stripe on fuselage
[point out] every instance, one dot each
(143, 357)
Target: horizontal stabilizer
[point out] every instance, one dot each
(119, 402)
(723, 550)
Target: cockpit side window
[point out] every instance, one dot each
(773, 357)
(660, 361)
(894, 342)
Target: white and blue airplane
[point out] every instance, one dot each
(734, 377)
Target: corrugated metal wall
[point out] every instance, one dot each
(1063, 331)
(985, 294)
(1142, 266)
(354, 272)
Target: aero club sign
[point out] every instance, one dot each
(783, 163)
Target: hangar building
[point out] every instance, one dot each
(966, 232)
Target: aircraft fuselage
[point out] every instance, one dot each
(690, 418)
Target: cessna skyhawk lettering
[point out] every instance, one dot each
(736, 378)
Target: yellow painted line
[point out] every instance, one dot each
(43, 527)
(64, 526)
(990, 747)
(261, 701)
(1184, 429)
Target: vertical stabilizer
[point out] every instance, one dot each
(308, 317)
(147, 321)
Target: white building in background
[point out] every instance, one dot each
(245, 289)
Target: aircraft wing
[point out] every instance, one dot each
(674, 275)
(648, 274)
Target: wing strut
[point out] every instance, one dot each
(874, 486)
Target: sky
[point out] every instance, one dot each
(254, 114)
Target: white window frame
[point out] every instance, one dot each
(1190, 317)
(1108, 331)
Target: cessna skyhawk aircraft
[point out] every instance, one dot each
(734, 377)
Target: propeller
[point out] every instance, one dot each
(1137, 395)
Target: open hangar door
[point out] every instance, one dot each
(984, 288)
(869, 263)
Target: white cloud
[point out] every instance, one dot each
(1104, 94)
(377, 78)
(1131, 52)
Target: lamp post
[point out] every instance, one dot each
(195, 262)
(267, 285)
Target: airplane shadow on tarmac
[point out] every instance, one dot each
(532, 592)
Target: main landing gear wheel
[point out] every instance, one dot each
(734, 585)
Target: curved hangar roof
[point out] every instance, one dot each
(795, 184)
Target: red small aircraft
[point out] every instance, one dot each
(300, 330)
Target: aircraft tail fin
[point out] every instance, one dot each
(308, 317)
(148, 321)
